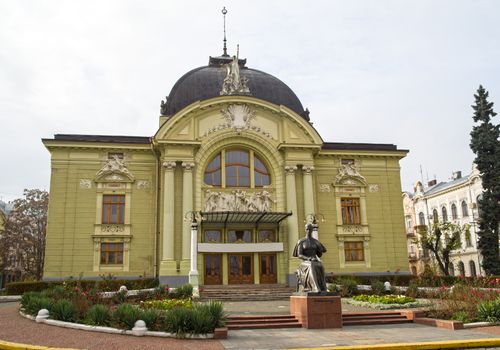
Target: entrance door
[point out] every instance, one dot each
(213, 271)
(268, 268)
(240, 269)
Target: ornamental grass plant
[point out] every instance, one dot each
(98, 315)
(64, 310)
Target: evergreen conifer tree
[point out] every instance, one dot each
(485, 143)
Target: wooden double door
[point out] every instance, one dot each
(240, 268)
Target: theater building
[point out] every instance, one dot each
(237, 154)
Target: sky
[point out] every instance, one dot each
(400, 72)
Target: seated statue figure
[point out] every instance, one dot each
(310, 274)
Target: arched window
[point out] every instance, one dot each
(237, 168)
(472, 266)
(435, 216)
(465, 210)
(421, 218)
(461, 268)
(454, 214)
(444, 212)
(451, 269)
(242, 168)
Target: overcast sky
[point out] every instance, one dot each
(401, 72)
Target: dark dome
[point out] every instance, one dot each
(206, 82)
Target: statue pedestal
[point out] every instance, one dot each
(318, 311)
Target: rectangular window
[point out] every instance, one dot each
(239, 236)
(113, 208)
(111, 253)
(212, 236)
(112, 155)
(354, 251)
(347, 161)
(265, 236)
(350, 211)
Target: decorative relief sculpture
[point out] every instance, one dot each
(310, 273)
(324, 188)
(234, 83)
(112, 170)
(112, 228)
(85, 184)
(142, 184)
(349, 175)
(373, 188)
(238, 116)
(238, 201)
(308, 169)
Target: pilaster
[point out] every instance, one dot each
(291, 205)
(168, 265)
(187, 206)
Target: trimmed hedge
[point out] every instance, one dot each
(18, 288)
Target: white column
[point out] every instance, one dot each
(291, 205)
(168, 211)
(187, 205)
(193, 273)
(308, 194)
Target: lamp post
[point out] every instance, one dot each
(193, 217)
(313, 219)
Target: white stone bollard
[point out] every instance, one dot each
(123, 289)
(139, 328)
(42, 315)
(387, 286)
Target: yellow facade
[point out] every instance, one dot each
(161, 180)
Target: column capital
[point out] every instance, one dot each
(188, 166)
(169, 165)
(290, 169)
(307, 169)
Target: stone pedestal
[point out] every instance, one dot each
(317, 312)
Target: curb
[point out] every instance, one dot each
(17, 346)
(446, 344)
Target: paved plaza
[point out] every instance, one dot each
(14, 328)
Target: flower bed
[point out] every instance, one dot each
(386, 302)
(160, 309)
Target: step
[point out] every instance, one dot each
(257, 317)
(265, 321)
(367, 317)
(265, 325)
(374, 322)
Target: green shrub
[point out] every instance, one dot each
(151, 317)
(34, 302)
(18, 288)
(412, 290)
(98, 315)
(184, 291)
(64, 310)
(126, 315)
(217, 314)
(460, 316)
(349, 287)
(489, 311)
(378, 288)
(179, 320)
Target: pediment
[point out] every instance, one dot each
(114, 170)
(348, 175)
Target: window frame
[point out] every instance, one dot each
(259, 176)
(106, 218)
(354, 246)
(346, 209)
(118, 253)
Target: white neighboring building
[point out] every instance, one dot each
(454, 201)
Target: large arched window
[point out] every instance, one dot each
(237, 168)
(461, 268)
(421, 219)
(435, 216)
(454, 214)
(465, 210)
(472, 266)
(444, 212)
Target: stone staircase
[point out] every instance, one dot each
(262, 322)
(289, 321)
(373, 318)
(249, 292)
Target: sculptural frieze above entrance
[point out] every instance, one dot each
(238, 200)
(114, 170)
(349, 175)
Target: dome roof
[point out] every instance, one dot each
(206, 82)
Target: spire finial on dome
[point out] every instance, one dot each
(224, 11)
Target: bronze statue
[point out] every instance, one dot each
(310, 273)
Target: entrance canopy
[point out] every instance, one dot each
(244, 217)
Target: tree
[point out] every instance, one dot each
(485, 143)
(444, 238)
(22, 244)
